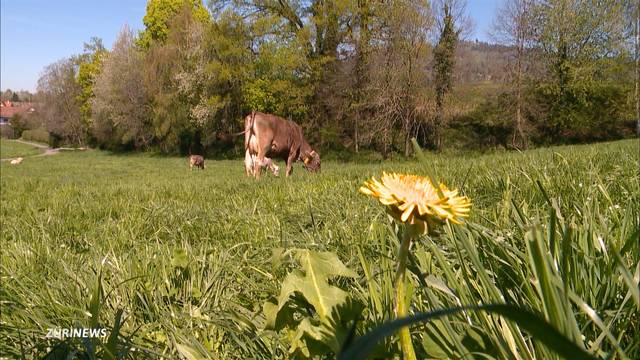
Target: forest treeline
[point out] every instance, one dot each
(356, 74)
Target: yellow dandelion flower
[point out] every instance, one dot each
(414, 200)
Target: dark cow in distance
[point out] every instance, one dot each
(270, 136)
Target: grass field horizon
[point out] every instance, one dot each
(177, 259)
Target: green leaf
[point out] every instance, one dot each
(179, 259)
(313, 284)
(541, 330)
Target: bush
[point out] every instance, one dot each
(580, 114)
(6, 131)
(40, 135)
(19, 124)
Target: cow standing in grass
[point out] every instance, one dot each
(269, 136)
(197, 161)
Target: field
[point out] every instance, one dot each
(180, 262)
(12, 149)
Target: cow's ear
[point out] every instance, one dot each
(306, 160)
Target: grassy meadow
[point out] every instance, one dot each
(180, 263)
(12, 149)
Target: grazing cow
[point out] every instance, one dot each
(16, 161)
(197, 161)
(251, 160)
(269, 136)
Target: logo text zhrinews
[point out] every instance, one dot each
(61, 333)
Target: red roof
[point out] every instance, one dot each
(11, 110)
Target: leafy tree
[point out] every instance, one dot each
(90, 65)
(577, 38)
(159, 15)
(443, 67)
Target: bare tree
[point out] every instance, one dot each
(120, 107)
(462, 22)
(512, 27)
(636, 55)
(398, 81)
(633, 29)
(59, 92)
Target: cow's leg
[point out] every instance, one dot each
(257, 166)
(248, 163)
(290, 160)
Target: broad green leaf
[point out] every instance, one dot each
(313, 283)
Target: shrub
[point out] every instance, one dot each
(6, 131)
(40, 135)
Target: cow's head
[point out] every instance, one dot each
(312, 161)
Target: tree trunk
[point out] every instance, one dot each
(437, 125)
(356, 130)
(637, 67)
(519, 140)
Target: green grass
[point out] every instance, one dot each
(189, 256)
(12, 149)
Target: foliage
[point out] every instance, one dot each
(583, 113)
(120, 105)
(90, 65)
(39, 134)
(443, 57)
(19, 124)
(356, 75)
(188, 257)
(59, 95)
(159, 15)
(308, 307)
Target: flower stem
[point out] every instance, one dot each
(401, 295)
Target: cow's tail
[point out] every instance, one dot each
(248, 128)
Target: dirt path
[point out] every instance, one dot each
(40, 146)
(47, 150)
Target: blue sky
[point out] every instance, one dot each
(34, 33)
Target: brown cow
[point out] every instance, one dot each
(197, 161)
(269, 136)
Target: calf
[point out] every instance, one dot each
(250, 162)
(197, 161)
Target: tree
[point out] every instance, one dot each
(120, 107)
(632, 16)
(7, 94)
(60, 109)
(512, 27)
(578, 39)
(90, 65)
(443, 58)
(159, 15)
